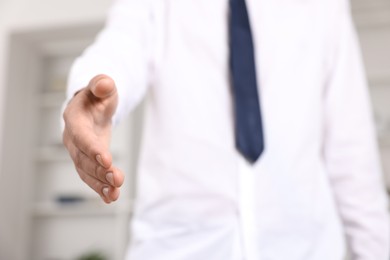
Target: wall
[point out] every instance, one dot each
(21, 15)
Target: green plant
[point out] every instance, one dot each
(93, 256)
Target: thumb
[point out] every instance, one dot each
(102, 86)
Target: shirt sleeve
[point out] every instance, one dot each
(122, 50)
(350, 149)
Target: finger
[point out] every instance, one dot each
(102, 86)
(106, 192)
(111, 175)
(98, 99)
(88, 143)
(119, 177)
(102, 93)
(88, 125)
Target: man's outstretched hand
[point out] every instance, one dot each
(87, 136)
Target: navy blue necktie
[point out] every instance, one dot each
(248, 124)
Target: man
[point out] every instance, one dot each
(275, 161)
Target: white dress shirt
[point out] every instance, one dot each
(316, 188)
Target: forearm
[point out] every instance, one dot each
(121, 51)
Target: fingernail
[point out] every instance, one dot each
(99, 159)
(105, 191)
(110, 178)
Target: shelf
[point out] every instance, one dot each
(371, 13)
(91, 208)
(53, 99)
(384, 142)
(379, 80)
(52, 153)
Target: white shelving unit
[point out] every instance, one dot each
(62, 217)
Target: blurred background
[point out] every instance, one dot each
(45, 210)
